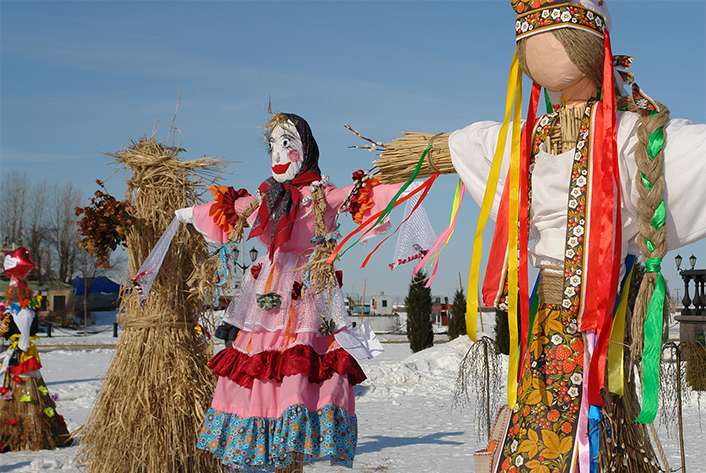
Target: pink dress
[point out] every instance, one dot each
(284, 387)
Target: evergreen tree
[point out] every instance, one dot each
(457, 324)
(502, 332)
(419, 329)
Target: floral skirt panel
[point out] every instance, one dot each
(262, 444)
(543, 427)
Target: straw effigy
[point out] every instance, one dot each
(399, 157)
(158, 386)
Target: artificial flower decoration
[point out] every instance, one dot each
(297, 290)
(255, 270)
(363, 200)
(269, 301)
(327, 327)
(11, 421)
(26, 398)
(49, 412)
(43, 390)
(223, 209)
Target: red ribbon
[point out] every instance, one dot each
(367, 222)
(427, 186)
(605, 232)
(525, 153)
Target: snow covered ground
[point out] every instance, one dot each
(406, 419)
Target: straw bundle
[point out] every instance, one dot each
(399, 157)
(157, 388)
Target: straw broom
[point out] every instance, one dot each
(398, 158)
(158, 387)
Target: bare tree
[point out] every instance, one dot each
(13, 189)
(38, 228)
(64, 229)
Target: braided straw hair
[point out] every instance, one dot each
(649, 156)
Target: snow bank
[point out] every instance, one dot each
(429, 372)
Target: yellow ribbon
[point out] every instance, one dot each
(512, 243)
(513, 108)
(616, 345)
(487, 204)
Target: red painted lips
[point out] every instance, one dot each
(280, 168)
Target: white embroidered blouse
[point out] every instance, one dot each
(472, 150)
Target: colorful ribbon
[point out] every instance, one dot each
(427, 186)
(514, 82)
(445, 237)
(616, 345)
(367, 222)
(652, 345)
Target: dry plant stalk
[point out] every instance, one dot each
(695, 375)
(399, 157)
(480, 373)
(323, 276)
(626, 446)
(158, 387)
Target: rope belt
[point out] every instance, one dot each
(551, 285)
(155, 322)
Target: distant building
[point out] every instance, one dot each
(57, 299)
(440, 310)
(381, 304)
(103, 293)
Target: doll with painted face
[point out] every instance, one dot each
(285, 385)
(28, 417)
(602, 180)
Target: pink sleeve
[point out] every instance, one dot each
(382, 195)
(203, 222)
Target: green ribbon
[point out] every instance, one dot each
(660, 216)
(391, 205)
(548, 102)
(655, 143)
(652, 346)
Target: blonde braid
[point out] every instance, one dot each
(650, 183)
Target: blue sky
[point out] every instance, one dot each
(82, 78)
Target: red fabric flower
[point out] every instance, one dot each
(358, 175)
(3, 391)
(297, 290)
(11, 421)
(222, 211)
(17, 379)
(255, 270)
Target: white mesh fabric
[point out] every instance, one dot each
(243, 311)
(414, 235)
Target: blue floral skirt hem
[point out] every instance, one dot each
(259, 443)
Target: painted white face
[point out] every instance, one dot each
(286, 152)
